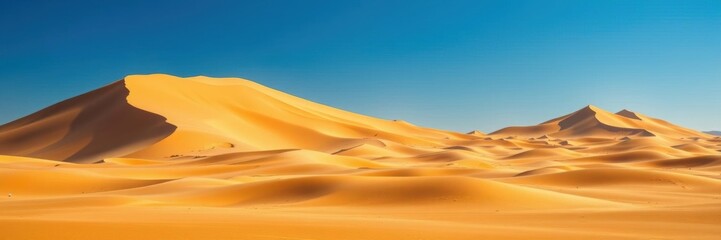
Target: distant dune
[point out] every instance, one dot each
(163, 157)
(596, 122)
(715, 133)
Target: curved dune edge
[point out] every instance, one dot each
(85, 129)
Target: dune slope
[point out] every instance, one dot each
(85, 129)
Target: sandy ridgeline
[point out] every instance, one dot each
(162, 157)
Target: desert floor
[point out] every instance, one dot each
(160, 157)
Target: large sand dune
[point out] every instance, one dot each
(162, 157)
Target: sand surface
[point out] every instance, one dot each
(162, 157)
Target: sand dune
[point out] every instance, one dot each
(163, 157)
(593, 121)
(85, 129)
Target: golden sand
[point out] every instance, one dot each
(162, 157)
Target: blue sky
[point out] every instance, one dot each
(457, 65)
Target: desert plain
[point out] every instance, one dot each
(163, 157)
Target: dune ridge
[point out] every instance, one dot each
(85, 129)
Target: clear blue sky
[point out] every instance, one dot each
(457, 65)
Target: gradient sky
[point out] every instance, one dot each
(457, 65)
